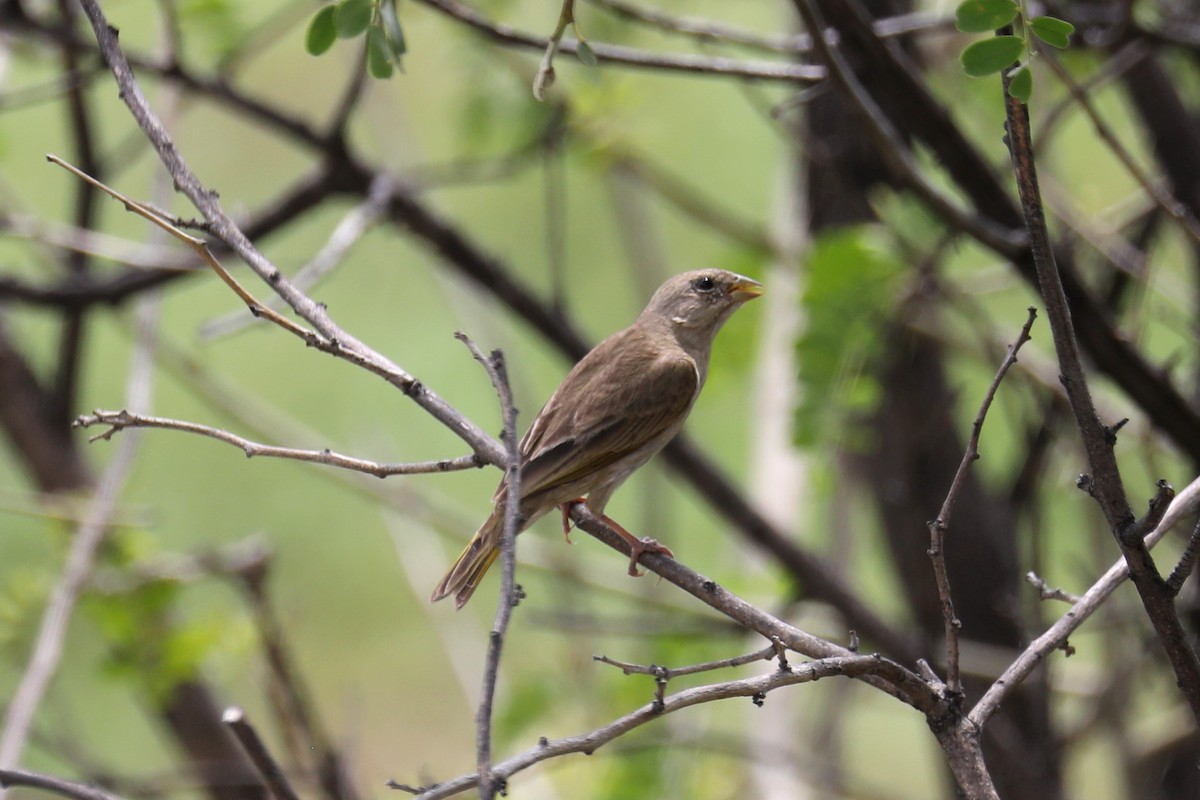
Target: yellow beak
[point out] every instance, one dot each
(744, 289)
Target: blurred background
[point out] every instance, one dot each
(837, 408)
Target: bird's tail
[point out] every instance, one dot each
(469, 568)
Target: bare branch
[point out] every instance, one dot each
(489, 783)
(937, 527)
(708, 31)
(120, 420)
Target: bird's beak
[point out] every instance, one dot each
(744, 289)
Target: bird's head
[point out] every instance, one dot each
(697, 303)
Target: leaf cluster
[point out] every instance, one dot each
(377, 20)
(1012, 51)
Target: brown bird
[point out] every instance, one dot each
(616, 408)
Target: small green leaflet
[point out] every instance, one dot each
(321, 32)
(981, 16)
(379, 54)
(586, 54)
(991, 55)
(352, 17)
(1020, 83)
(393, 31)
(1053, 31)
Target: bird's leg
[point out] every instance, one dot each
(566, 514)
(636, 546)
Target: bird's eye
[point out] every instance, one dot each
(705, 284)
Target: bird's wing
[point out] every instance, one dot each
(616, 400)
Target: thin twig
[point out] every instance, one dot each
(543, 79)
(199, 247)
(765, 654)
(254, 747)
(938, 526)
(120, 420)
(490, 783)
(1046, 592)
(632, 57)
(587, 743)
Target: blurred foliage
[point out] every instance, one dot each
(853, 276)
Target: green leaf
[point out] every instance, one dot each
(379, 54)
(393, 31)
(586, 54)
(991, 55)
(1053, 31)
(981, 16)
(352, 17)
(321, 32)
(1020, 83)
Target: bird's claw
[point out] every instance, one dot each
(645, 545)
(566, 517)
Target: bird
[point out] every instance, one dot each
(617, 407)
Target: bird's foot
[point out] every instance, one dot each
(637, 546)
(566, 517)
(645, 545)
